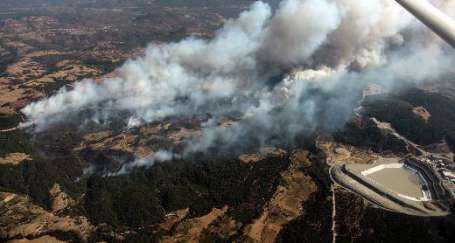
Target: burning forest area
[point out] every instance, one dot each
(224, 121)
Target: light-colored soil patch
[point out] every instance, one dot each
(173, 218)
(190, 230)
(25, 65)
(97, 136)
(224, 227)
(14, 158)
(286, 203)
(60, 200)
(8, 96)
(21, 218)
(422, 113)
(24, 80)
(105, 140)
(184, 133)
(263, 153)
(73, 73)
(338, 153)
(142, 152)
(250, 158)
(127, 142)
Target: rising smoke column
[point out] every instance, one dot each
(149, 86)
(334, 48)
(292, 36)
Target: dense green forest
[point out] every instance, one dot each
(397, 109)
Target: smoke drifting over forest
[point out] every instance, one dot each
(329, 51)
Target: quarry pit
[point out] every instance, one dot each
(404, 186)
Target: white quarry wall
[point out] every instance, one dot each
(381, 167)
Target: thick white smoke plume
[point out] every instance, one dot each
(297, 29)
(329, 49)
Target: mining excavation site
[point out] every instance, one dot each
(405, 186)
